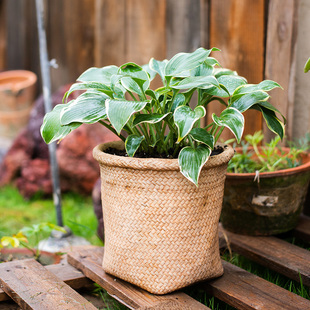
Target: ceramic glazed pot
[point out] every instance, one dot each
(17, 92)
(161, 231)
(270, 206)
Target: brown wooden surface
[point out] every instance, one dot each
(88, 260)
(244, 290)
(237, 28)
(64, 272)
(280, 56)
(302, 230)
(274, 253)
(3, 35)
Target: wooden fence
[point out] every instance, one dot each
(257, 38)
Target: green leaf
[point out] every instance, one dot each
(102, 75)
(266, 85)
(273, 123)
(223, 71)
(203, 70)
(307, 66)
(185, 118)
(132, 144)
(186, 61)
(197, 82)
(243, 102)
(135, 85)
(233, 120)
(51, 129)
(179, 100)
(88, 108)
(148, 118)
(158, 67)
(202, 136)
(267, 105)
(120, 111)
(151, 73)
(191, 161)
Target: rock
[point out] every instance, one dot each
(26, 162)
(96, 196)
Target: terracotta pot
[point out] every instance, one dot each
(46, 258)
(270, 206)
(17, 92)
(161, 231)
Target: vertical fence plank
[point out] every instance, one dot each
(237, 28)
(204, 23)
(70, 33)
(145, 30)
(3, 36)
(110, 39)
(280, 57)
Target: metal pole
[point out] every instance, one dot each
(45, 71)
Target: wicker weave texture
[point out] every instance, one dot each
(161, 231)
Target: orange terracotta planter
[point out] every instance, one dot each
(17, 93)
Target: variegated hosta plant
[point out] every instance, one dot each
(163, 121)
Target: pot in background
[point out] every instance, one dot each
(268, 207)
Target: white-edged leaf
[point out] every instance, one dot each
(185, 118)
(120, 111)
(186, 61)
(197, 82)
(148, 118)
(243, 102)
(202, 136)
(132, 144)
(233, 120)
(179, 100)
(88, 108)
(151, 72)
(191, 161)
(51, 129)
(158, 67)
(265, 85)
(102, 75)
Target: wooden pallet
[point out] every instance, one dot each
(32, 286)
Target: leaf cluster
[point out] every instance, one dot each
(269, 157)
(165, 120)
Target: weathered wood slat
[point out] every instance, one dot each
(64, 272)
(302, 230)
(32, 286)
(274, 253)
(244, 290)
(88, 260)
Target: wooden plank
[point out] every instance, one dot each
(302, 230)
(32, 286)
(238, 29)
(274, 253)
(110, 40)
(64, 272)
(244, 290)
(89, 259)
(70, 38)
(280, 57)
(3, 36)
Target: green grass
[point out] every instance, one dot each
(15, 213)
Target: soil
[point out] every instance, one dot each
(217, 150)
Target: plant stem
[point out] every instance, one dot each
(112, 129)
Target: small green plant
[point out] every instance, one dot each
(307, 66)
(269, 157)
(22, 237)
(162, 122)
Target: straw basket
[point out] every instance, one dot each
(161, 231)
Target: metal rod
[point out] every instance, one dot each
(45, 71)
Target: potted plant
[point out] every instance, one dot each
(265, 187)
(162, 185)
(21, 248)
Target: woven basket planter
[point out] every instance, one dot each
(161, 231)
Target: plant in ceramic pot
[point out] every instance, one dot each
(162, 184)
(265, 187)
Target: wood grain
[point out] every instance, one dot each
(302, 230)
(244, 290)
(238, 29)
(274, 253)
(89, 260)
(281, 57)
(3, 35)
(65, 272)
(32, 286)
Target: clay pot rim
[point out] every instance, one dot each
(30, 79)
(279, 173)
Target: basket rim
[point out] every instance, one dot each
(153, 163)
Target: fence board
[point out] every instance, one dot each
(3, 36)
(280, 56)
(237, 28)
